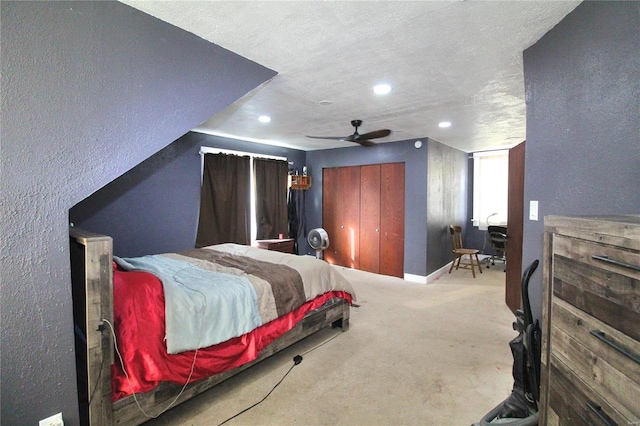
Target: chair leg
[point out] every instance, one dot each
(479, 266)
(473, 272)
(452, 263)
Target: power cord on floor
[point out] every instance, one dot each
(296, 360)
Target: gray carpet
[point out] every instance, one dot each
(434, 354)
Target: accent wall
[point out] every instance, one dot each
(582, 87)
(89, 90)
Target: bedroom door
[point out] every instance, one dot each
(515, 215)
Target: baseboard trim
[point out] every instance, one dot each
(435, 274)
(421, 279)
(415, 278)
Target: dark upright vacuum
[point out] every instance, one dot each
(521, 407)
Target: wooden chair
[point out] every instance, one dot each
(459, 252)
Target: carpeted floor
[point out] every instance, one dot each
(434, 354)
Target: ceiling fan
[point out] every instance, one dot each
(362, 139)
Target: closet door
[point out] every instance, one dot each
(392, 181)
(363, 213)
(341, 215)
(350, 226)
(370, 218)
(330, 211)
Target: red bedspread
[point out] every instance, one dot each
(139, 319)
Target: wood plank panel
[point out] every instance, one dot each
(615, 304)
(370, 218)
(392, 196)
(569, 398)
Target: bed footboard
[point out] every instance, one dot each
(92, 286)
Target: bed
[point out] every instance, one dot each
(169, 342)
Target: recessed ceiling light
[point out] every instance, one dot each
(325, 102)
(381, 89)
(444, 124)
(264, 119)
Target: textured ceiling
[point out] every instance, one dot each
(459, 61)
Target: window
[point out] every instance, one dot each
(253, 227)
(490, 188)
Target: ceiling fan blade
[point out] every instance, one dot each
(375, 134)
(336, 138)
(365, 142)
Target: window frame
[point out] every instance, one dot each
(252, 184)
(485, 177)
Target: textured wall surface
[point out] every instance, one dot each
(153, 208)
(582, 82)
(446, 201)
(89, 90)
(417, 180)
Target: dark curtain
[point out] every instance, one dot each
(271, 179)
(297, 226)
(224, 201)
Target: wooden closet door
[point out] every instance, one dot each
(341, 215)
(370, 218)
(392, 181)
(330, 211)
(350, 227)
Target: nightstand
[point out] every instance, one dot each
(284, 245)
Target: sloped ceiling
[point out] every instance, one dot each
(456, 61)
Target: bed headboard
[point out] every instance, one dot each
(92, 285)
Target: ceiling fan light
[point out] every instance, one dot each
(381, 89)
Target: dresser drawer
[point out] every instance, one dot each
(596, 353)
(572, 402)
(584, 276)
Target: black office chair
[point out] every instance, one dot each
(498, 239)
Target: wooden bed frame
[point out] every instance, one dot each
(92, 280)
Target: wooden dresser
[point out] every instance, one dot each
(590, 372)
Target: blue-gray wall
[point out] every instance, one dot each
(418, 182)
(89, 90)
(582, 82)
(154, 207)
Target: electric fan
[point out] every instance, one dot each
(318, 240)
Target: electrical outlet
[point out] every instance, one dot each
(55, 420)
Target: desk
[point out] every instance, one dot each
(284, 245)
